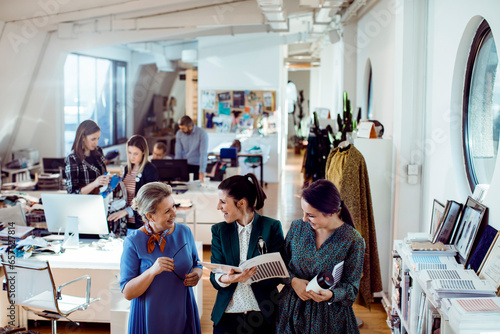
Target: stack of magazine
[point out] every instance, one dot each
(466, 286)
(473, 315)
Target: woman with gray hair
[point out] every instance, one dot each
(159, 267)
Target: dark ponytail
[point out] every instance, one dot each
(325, 197)
(247, 187)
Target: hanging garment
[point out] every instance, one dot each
(318, 148)
(346, 168)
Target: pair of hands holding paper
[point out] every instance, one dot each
(235, 276)
(299, 286)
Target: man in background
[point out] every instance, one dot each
(191, 143)
(159, 151)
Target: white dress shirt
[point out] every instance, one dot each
(243, 298)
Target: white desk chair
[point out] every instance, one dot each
(30, 284)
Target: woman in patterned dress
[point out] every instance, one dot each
(138, 172)
(324, 237)
(241, 307)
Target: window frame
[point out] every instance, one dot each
(478, 41)
(115, 64)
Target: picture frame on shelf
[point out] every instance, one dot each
(490, 267)
(448, 222)
(466, 230)
(437, 214)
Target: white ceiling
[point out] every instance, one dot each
(171, 20)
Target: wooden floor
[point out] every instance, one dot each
(283, 202)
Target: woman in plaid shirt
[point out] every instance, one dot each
(85, 166)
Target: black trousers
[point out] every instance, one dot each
(195, 170)
(252, 322)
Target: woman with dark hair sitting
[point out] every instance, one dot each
(138, 172)
(322, 238)
(242, 307)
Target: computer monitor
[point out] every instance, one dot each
(89, 209)
(172, 169)
(51, 165)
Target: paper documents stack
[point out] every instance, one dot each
(457, 288)
(473, 315)
(268, 265)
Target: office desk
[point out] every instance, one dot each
(244, 155)
(184, 212)
(204, 212)
(20, 174)
(103, 266)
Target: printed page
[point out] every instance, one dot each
(218, 268)
(268, 265)
(432, 274)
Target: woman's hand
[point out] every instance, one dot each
(193, 277)
(321, 296)
(117, 215)
(235, 277)
(162, 264)
(101, 181)
(299, 286)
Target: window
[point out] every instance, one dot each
(481, 108)
(94, 88)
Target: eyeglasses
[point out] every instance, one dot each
(182, 279)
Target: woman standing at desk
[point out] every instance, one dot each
(138, 172)
(241, 307)
(159, 267)
(85, 166)
(324, 237)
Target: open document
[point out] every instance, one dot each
(268, 265)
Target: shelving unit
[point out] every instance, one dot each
(411, 289)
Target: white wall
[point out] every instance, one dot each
(375, 43)
(252, 62)
(448, 51)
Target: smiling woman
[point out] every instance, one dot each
(242, 306)
(323, 238)
(159, 267)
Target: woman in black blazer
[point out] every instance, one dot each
(138, 172)
(241, 307)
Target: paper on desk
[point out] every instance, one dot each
(19, 232)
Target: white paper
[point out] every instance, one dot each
(336, 273)
(268, 265)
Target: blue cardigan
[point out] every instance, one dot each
(226, 250)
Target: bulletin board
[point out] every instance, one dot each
(230, 109)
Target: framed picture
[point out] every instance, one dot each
(448, 222)
(437, 214)
(466, 230)
(490, 268)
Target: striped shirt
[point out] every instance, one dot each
(129, 182)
